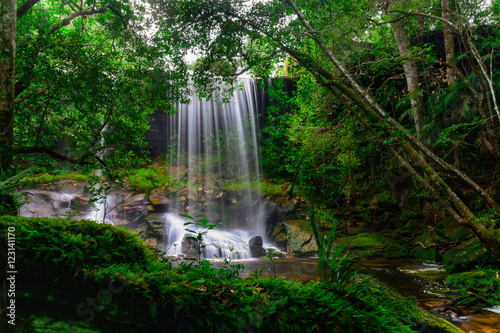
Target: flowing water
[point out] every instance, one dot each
(212, 150)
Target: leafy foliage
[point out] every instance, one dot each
(186, 300)
(333, 269)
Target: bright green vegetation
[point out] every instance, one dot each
(480, 287)
(76, 260)
(149, 178)
(47, 178)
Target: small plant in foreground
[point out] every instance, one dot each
(272, 260)
(233, 270)
(202, 226)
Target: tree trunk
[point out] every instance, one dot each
(8, 26)
(411, 73)
(449, 44)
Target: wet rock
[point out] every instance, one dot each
(289, 210)
(44, 203)
(152, 242)
(256, 249)
(159, 203)
(429, 272)
(156, 220)
(133, 208)
(300, 238)
(271, 215)
(277, 234)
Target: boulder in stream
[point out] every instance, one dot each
(256, 250)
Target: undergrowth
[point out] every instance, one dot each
(85, 257)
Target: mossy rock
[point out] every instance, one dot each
(478, 288)
(466, 256)
(155, 218)
(364, 243)
(300, 237)
(433, 274)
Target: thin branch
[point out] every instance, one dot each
(453, 25)
(385, 22)
(66, 21)
(29, 95)
(237, 74)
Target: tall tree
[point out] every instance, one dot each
(8, 20)
(420, 116)
(449, 43)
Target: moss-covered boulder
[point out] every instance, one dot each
(300, 237)
(477, 288)
(363, 244)
(466, 256)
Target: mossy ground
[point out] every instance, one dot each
(480, 287)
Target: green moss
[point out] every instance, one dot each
(273, 190)
(149, 179)
(46, 178)
(480, 286)
(362, 241)
(302, 225)
(466, 256)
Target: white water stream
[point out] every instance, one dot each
(214, 158)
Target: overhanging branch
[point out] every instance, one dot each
(66, 21)
(51, 152)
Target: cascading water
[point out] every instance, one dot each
(214, 161)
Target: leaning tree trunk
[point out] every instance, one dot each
(411, 73)
(8, 25)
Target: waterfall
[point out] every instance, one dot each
(212, 150)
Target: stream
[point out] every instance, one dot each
(402, 275)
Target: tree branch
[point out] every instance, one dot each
(23, 9)
(428, 15)
(385, 22)
(66, 21)
(51, 152)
